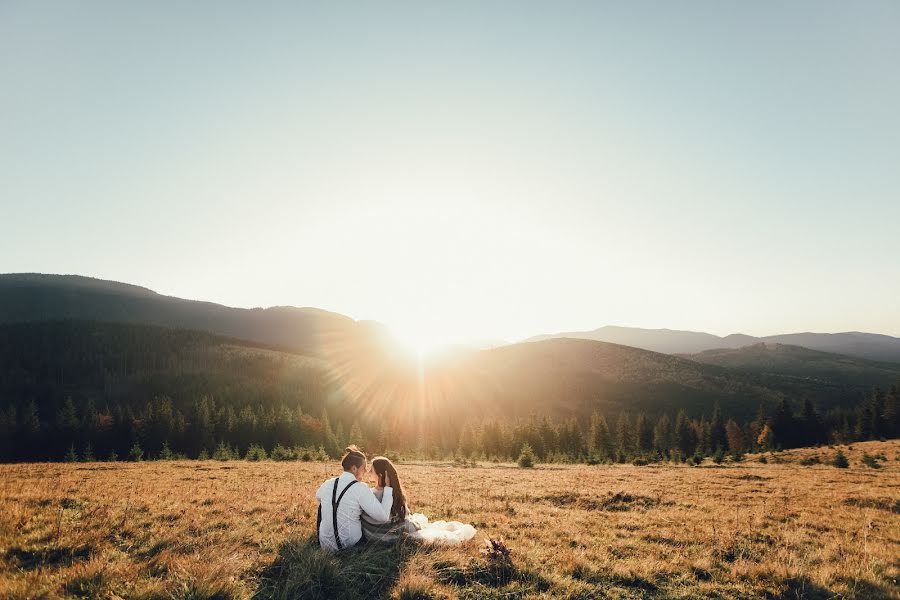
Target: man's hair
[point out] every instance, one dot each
(353, 458)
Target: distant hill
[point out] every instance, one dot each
(862, 345)
(37, 297)
(784, 360)
(578, 376)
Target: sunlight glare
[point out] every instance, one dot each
(421, 341)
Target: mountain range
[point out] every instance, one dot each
(38, 297)
(54, 314)
(870, 346)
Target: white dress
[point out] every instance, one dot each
(440, 532)
(418, 527)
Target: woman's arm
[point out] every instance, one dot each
(380, 512)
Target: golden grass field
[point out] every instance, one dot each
(189, 529)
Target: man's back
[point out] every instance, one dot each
(357, 499)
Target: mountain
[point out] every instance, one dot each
(871, 346)
(130, 365)
(862, 345)
(578, 376)
(37, 297)
(783, 360)
(667, 341)
(572, 376)
(554, 376)
(66, 382)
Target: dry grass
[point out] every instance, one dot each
(242, 530)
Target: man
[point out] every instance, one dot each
(342, 501)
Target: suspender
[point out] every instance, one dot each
(334, 507)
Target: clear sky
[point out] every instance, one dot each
(465, 170)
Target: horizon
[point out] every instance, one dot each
(466, 172)
(470, 341)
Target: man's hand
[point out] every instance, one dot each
(387, 480)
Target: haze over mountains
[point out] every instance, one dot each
(669, 341)
(36, 297)
(72, 327)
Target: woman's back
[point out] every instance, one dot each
(385, 532)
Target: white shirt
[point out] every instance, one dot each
(357, 500)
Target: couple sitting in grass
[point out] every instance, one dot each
(350, 512)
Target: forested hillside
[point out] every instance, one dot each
(33, 297)
(82, 388)
(774, 360)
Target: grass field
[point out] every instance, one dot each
(190, 529)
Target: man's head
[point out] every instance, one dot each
(354, 462)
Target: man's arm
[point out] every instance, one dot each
(378, 512)
(321, 494)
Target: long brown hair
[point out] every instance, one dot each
(383, 465)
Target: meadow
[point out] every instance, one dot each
(787, 528)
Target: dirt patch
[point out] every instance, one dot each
(750, 478)
(891, 506)
(612, 502)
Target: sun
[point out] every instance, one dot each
(420, 341)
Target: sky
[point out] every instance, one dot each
(465, 170)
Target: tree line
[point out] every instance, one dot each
(160, 429)
(76, 390)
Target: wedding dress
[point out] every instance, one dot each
(440, 532)
(417, 526)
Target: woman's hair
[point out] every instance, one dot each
(353, 458)
(383, 465)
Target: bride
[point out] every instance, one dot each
(402, 522)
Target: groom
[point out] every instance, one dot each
(342, 501)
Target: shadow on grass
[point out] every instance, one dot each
(304, 571)
(801, 588)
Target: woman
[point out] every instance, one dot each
(402, 522)
(399, 523)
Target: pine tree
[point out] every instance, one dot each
(840, 460)
(685, 438)
(466, 447)
(331, 445)
(662, 435)
(892, 412)
(136, 454)
(717, 433)
(526, 457)
(87, 455)
(67, 420)
(704, 437)
(574, 440)
(735, 438)
(811, 424)
(601, 441)
(550, 440)
(783, 426)
(356, 436)
(339, 435)
(846, 433)
(862, 431)
(166, 453)
(643, 434)
(71, 456)
(624, 436)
